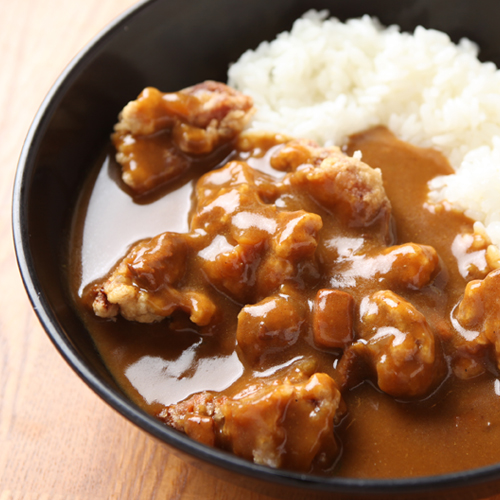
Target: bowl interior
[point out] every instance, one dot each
(172, 44)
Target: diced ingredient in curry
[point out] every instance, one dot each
(333, 319)
(271, 326)
(413, 266)
(285, 422)
(159, 133)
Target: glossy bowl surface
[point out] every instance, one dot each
(171, 44)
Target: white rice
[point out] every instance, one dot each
(326, 80)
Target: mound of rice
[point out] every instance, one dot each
(326, 80)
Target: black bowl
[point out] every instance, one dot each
(171, 44)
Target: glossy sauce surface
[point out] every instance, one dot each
(457, 427)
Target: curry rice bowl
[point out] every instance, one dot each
(296, 288)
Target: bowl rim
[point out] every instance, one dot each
(122, 404)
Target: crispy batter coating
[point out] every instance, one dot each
(255, 247)
(478, 313)
(143, 286)
(158, 132)
(399, 346)
(284, 423)
(407, 266)
(345, 186)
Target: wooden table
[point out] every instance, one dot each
(58, 440)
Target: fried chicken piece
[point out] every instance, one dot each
(475, 254)
(223, 193)
(158, 133)
(210, 105)
(292, 251)
(286, 423)
(200, 417)
(399, 346)
(478, 315)
(261, 258)
(255, 248)
(143, 286)
(407, 266)
(343, 185)
(297, 152)
(412, 266)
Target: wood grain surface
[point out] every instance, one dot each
(58, 440)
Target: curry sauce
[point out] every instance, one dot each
(291, 306)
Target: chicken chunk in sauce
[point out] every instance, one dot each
(158, 133)
(346, 187)
(478, 313)
(254, 246)
(285, 422)
(143, 286)
(398, 344)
